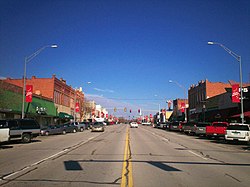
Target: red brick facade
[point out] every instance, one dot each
(64, 96)
(197, 94)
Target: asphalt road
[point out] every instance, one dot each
(123, 156)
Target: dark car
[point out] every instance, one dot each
(189, 128)
(175, 126)
(52, 129)
(87, 125)
(69, 127)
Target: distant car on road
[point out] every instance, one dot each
(146, 123)
(134, 125)
(97, 127)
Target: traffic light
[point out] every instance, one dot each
(130, 111)
(125, 109)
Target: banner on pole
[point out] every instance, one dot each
(235, 93)
(182, 107)
(29, 91)
(77, 107)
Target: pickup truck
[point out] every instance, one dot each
(217, 129)
(4, 132)
(21, 129)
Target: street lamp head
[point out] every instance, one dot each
(89, 82)
(170, 81)
(210, 43)
(54, 46)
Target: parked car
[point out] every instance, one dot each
(134, 125)
(69, 127)
(146, 123)
(87, 125)
(217, 129)
(163, 125)
(201, 128)
(238, 132)
(175, 126)
(189, 128)
(81, 126)
(181, 125)
(97, 127)
(22, 129)
(52, 129)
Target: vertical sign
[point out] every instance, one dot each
(235, 93)
(169, 104)
(77, 107)
(182, 107)
(29, 91)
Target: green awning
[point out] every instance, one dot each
(65, 115)
(12, 102)
(42, 107)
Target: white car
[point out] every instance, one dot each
(238, 132)
(134, 125)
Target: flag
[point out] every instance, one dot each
(182, 107)
(77, 107)
(235, 93)
(29, 91)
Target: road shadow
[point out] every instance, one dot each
(2, 146)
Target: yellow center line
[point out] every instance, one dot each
(127, 178)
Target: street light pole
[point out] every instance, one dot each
(26, 60)
(238, 58)
(185, 96)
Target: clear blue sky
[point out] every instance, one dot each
(127, 49)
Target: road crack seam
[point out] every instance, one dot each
(226, 174)
(128, 161)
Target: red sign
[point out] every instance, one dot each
(29, 91)
(77, 107)
(182, 107)
(235, 93)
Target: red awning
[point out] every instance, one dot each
(246, 114)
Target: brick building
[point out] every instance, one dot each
(63, 95)
(179, 109)
(209, 101)
(41, 108)
(198, 94)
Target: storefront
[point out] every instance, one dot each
(41, 109)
